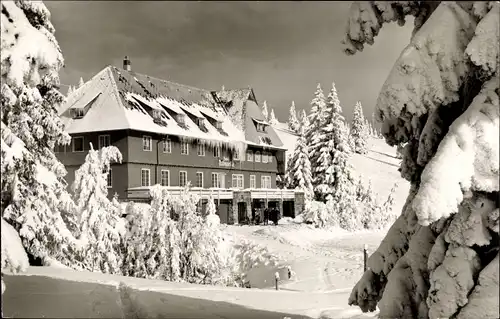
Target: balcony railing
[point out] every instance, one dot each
(217, 193)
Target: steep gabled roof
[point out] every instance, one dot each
(244, 110)
(116, 99)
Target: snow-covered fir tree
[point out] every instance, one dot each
(80, 82)
(313, 131)
(330, 143)
(272, 118)
(303, 120)
(293, 121)
(34, 198)
(264, 110)
(97, 216)
(444, 245)
(299, 168)
(70, 90)
(358, 130)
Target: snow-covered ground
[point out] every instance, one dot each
(326, 263)
(328, 260)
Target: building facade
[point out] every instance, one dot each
(172, 135)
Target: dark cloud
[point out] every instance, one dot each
(281, 49)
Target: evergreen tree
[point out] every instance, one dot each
(70, 90)
(303, 120)
(97, 217)
(264, 110)
(358, 130)
(293, 121)
(313, 131)
(34, 198)
(272, 118)
(331, 141)
(443, 102)
(299, 171)
(80, 82)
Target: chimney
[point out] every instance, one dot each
(126, 64)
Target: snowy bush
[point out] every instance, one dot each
(439, 258)
(173, 241)
(246, 255)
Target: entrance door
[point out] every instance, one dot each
(242, 213)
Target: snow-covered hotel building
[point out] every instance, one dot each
(171, 134)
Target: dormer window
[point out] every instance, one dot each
(157, 114)
(218, 125)
(78, 113)
(261, 128)
(181, 119)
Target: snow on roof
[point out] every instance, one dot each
(170, 104)
(123, 98)
(260, 121)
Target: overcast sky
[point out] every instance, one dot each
(280, 49)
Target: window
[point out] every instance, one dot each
(182, 178)
(78, 144)
(249, 156)
(225, 155)
(145, 177)
(104, 141)
(215, 180)
(218, 125)
(181, 118)
(147, 143)
(236, 155)
(237, 181)
(199, 179)
(265, 182)
(257, 157)
(165, 177)
(167, 146)
(201, 149)
(253, 183)
(109, 177)
(264, 157)
(184, 148)
(78, 113)
(270, 157)
(217, 151)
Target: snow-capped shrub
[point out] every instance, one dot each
(14, 258)
(246, 255)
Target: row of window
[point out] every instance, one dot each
(147, 145)
(167, 148)
(217, 179)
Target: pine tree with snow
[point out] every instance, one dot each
(293, 121)
(264, 110)
(358, 130)
(80, 82)
(444, 245)
(70, 90)
(299, 171)
(313, 132)
(331, 144)
(97, 217)
(272, 118)
(303, 121)
(34, 198)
